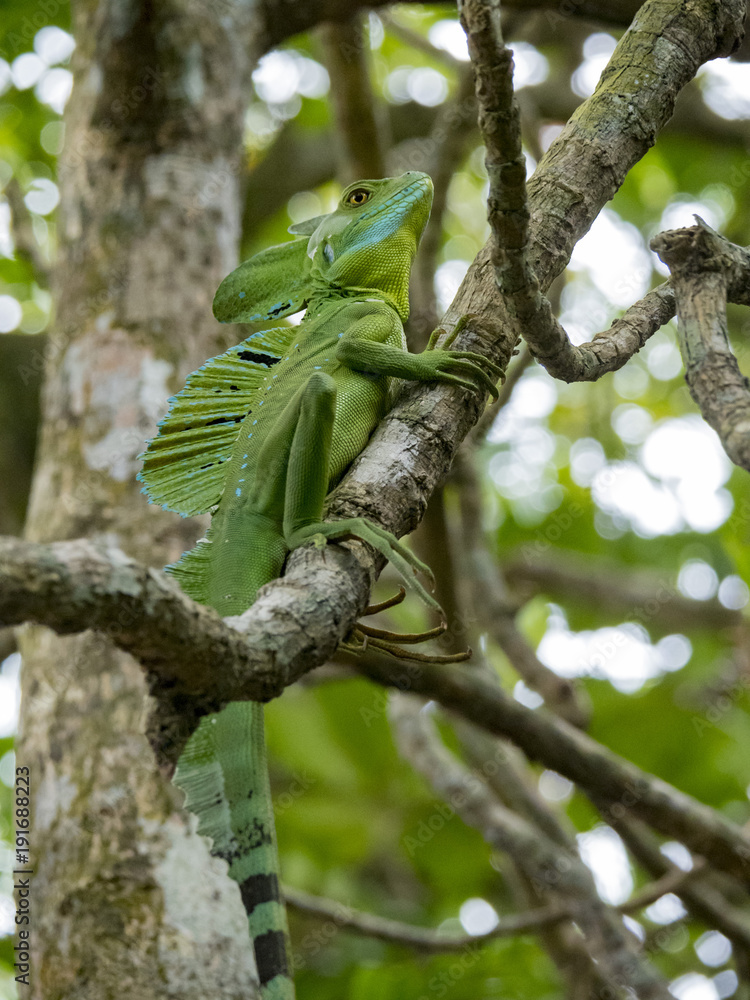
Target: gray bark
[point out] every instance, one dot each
(127, 901)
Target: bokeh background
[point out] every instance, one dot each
(596, 499)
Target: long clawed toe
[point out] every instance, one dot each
(407, 638)
(362, 637)
(484, 369)
(392, 643)
(390, 602)
(469, 363)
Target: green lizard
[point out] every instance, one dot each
(258, 436)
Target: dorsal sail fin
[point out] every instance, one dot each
(184, 466)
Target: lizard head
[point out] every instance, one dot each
(370, 240)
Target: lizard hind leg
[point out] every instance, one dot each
(307, 484)
(383, 541)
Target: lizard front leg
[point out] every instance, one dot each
(365, 347)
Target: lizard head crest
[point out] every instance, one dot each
(371, 238)
(368, 242)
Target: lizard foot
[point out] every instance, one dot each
(452, 366)
(383, 541)
(363, 636)
(462, 368)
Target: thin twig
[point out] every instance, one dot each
(500, 124)
(508, 216)
(420, 938)
(25, 242)
(645, 597)
(561, 198)
(671, 881)
(445, 147)
(507, 773)
(417, 41)
(510, 779)
(576, 756)
(496, 612)
(703, 895)
(425, 939)
(481, 429)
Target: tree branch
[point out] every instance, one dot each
(74, 586)
(594, 768)
(556, 872)
(412, 448)
(26, 246)
(357, 133)
(422, 939)
(483, 426)
(700, 895)
(619, 123)
(455, 122)
(507, 773)
(673, 880)
(588, 161)
(78, 585)
(283, 18)
(493, 604)
(608, 351)
(647, 598)
(301, 618)
(508, 216)
(705, 268)
(500, 125)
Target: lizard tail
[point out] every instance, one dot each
(223, 769)
(224, 775)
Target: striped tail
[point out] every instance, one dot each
(224, 775)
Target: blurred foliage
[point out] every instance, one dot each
(354, 821)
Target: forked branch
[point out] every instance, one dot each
(707, 270)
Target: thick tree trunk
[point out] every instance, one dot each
(126, 901)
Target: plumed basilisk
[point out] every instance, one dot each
(258, 436)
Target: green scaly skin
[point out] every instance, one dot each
(259, 436)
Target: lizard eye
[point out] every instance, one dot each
(358, 197)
